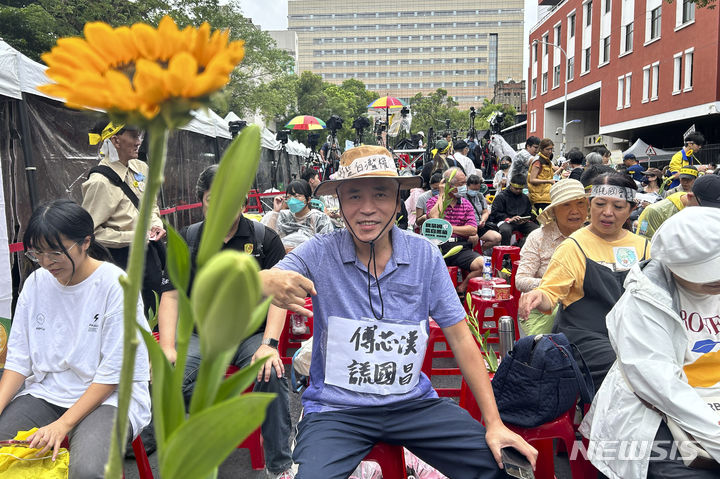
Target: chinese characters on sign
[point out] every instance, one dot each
(376, 357)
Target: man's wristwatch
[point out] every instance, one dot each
(273, 343)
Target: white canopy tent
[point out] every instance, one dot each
(645, 152)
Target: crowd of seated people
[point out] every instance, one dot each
(626, 300)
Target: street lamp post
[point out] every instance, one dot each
(564, 123)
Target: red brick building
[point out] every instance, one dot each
(634, 68)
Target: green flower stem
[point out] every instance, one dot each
(131, 285)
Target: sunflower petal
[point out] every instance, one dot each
(182, 71)
(103, 39)
(145, 38)
(80, 49)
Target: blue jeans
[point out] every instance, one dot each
(331, 444)
(277, 426)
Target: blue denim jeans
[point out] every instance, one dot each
(331, 444)
(277, 427)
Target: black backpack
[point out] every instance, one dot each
(540, 379)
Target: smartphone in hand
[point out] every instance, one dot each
(516, 465)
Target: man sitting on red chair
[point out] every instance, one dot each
(267, 248)
(374, 287)
(461, 215)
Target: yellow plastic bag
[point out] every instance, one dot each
(19, 462)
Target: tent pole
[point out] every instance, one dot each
(30, 168)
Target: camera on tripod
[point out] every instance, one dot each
(359, 124)
(313, 139)
(236, 127)
(282, 136)
(334, 124)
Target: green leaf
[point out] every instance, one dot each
(184, 331)
(203, 442)
(232, 182)
(178, 259)
(239, 382)
(169, 411)
(258, 317)
(209, 379)
(453, 251)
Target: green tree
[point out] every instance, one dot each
(433, 111)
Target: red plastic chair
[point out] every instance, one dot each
(288, 340)
(453, 271)
(541, 438)
(391, 460)
(254, 442)
(249, 205)
(499, 253)
(436, 336)
(141, 459)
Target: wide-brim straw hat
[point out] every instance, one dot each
(561, 192)
(367, 161)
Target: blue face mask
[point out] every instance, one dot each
(472, 193)
(461, 190)
(295, 205)
(526, 191)
(435, 192)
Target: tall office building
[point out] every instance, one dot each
(401, 48)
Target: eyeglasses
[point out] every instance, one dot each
(296, 195)
(53, 256)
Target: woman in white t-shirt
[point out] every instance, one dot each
(665, 330)
(66, 342)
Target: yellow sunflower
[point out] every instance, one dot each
(140, 68)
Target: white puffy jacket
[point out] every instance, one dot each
(647, 335)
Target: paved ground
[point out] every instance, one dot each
(237, 464)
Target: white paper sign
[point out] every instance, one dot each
(374, 357)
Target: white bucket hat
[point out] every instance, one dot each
(366, 161)
(685, 243)
(561, 192)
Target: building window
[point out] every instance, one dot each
(621, 92)
(677, 73)
(646, 84)
(571, 25)
(605, 50)
(533, 120)
(628, 38)
(558, 31)
(688, 84)
(586, 59)
(533, 88)
(654, 81)
(608, 6)
(545, 45)
(544, 82)
(570, 68)
(534, 52)
(588, 14)
(655, 19)
(688, 11)
(556, 76)
(628, 83)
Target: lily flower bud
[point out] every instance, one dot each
(226, 291)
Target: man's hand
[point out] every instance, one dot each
(156, 233)
(49, 437)
(500, 436)
(441, 189)
(273, 362)
(702, 167)
(481, 223)
(473, 240)
(288, 288)
(514, 219)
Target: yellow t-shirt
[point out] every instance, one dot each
(563, 280)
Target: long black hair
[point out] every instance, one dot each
(65, 218)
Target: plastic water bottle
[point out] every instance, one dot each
(506, 334)
(487, 269)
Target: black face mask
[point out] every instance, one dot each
(645, 182)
